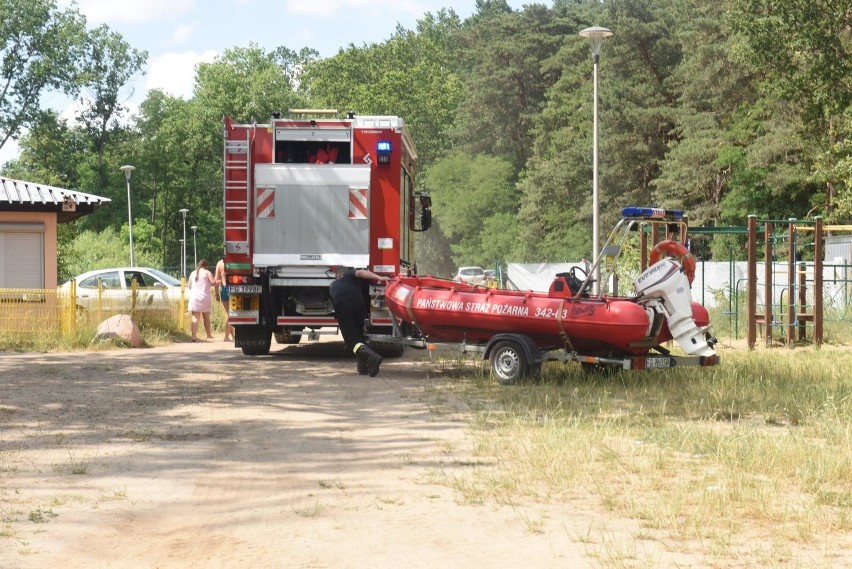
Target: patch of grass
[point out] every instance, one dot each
(336, 483)
(115, 495)
(79, 467)
(41, 515)
(311, 511)
(391, 501)
(713, 461)
(6, 461)
(74, 466)
(533, 523)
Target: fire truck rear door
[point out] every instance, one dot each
(309, 214)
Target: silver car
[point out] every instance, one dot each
(470, 275)
(109, 291)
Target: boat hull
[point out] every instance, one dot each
(447, 311)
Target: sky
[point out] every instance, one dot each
(177, 34)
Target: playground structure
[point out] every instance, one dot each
(789, 295)
(794, 318)
(803, 284)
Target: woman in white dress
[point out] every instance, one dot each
(200, 298)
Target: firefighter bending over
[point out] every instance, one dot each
(349, 293)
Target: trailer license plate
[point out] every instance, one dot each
(244, 289)
(658, 362)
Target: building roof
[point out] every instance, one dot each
(17, 195)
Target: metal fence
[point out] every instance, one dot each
(29, 312)
(59, 313)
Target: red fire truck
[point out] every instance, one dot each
(305, 194)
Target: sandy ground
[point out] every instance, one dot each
(193, 455)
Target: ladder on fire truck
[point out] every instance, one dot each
(237, 161)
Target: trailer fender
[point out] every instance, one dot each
(531, 351)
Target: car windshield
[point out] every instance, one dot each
(166, 278)
(471, 272)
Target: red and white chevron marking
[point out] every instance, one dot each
(358, 203)
(265, 203)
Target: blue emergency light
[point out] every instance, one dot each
(652, 213)
(383, 151)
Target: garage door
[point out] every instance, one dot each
(22, 255)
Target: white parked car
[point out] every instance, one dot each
(157, 293)
(470, 275)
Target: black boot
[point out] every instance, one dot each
(369, 360)
(362, 363)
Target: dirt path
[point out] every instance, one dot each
(193, 455)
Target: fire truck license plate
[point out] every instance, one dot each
(244, 289)
(658, 362)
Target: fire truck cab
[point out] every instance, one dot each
(303, 195)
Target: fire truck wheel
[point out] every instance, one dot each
(508, 362)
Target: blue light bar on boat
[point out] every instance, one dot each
(652, 213)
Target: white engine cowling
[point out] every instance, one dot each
(665, 280)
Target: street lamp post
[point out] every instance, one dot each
(183, 212)
(596, 35)
(194, 248)
(128, 169)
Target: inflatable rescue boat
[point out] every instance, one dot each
(589, 328)
(448, 311)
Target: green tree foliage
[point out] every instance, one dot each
(40, 51)
(410, 75)
(51, 151)
(181, 167)
(556, 184)
(712, 94)
(105, 249)
(109, 65)
(250, 83)
(475, 199)
(157, 168)
(637, 101)
(503, 56)
(834, 164)
(804, 50)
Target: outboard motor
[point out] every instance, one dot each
(666, 280)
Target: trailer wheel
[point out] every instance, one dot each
(508, 362)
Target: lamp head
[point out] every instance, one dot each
(596, 35)
(183, 211)
(127, 169)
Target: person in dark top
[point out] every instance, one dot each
(349, 295)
